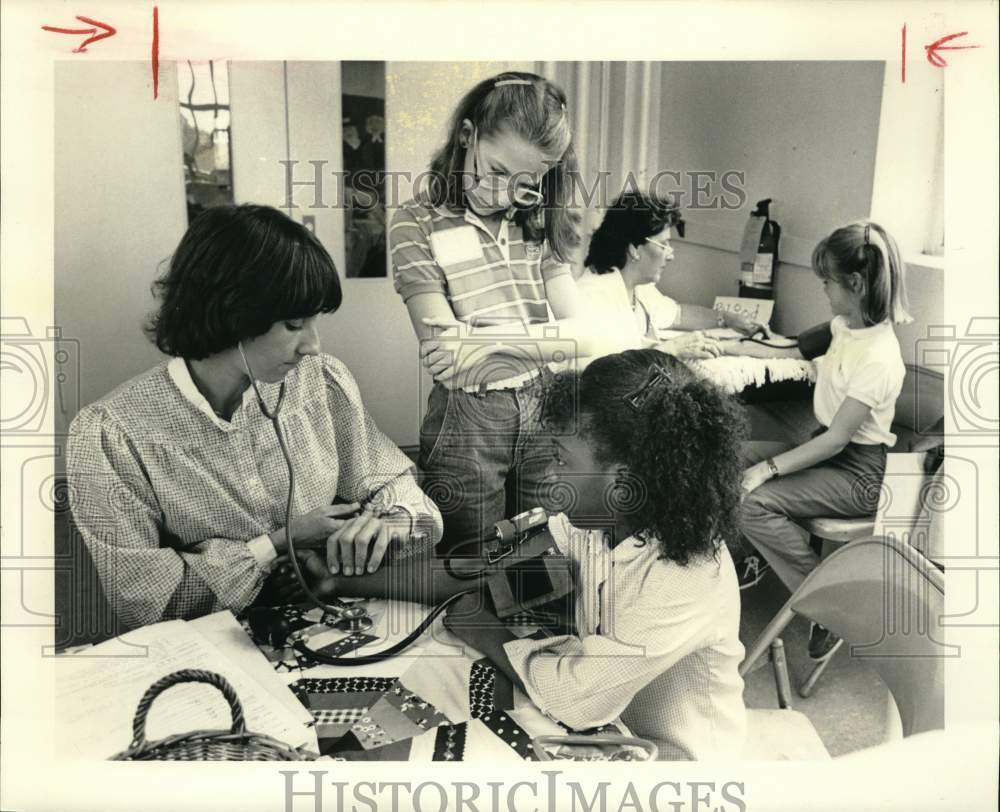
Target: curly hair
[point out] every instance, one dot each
(681, 442)
(631, 220)
(236, 271)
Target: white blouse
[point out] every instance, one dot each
(657, 644)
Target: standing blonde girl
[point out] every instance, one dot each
(482, 251)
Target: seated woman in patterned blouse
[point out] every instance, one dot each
(177, 481)
(650, 453)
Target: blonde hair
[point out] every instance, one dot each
(867, 249)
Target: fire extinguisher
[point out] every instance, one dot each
(759, 253)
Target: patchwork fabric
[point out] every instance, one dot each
(483, 680)
(510, 732)
(337, 716)
(318, 627)
(340, 685)
(365, 713)
(449, 745)
(347, 644)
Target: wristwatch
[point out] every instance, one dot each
(773, 468)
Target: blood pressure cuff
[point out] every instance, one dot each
(815, 341)
(534, 573)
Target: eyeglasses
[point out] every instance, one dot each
(664, 245)
(523, 196)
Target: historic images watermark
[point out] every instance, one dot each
(318, 790)
(314, 185)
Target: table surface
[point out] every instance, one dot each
(438, 670)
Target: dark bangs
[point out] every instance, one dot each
(298, 278)
(237, 271)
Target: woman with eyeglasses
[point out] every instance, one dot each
(626, 258)
(480, 257)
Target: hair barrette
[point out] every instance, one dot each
(655, 376)
(868, 233)
(502, 82)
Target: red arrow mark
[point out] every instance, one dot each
(155, 52)
(107, 32)
(939, 45)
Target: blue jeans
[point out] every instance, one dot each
(483, 457)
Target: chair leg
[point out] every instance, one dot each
(806, 689)
(781, 681)
(763, 642)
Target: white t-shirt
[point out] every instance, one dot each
(866, 365)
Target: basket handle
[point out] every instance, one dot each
(176, 678)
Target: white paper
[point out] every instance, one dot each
(758, 310)
(97, 695)
(225, 632)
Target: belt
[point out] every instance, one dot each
(515, 382)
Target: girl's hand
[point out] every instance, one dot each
(694, 346)
(451, 328)
(733, 346)
(439, 353)
(364, 538)
(755, 476)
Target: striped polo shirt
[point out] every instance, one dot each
(486, 279)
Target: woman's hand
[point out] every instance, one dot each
(694, 345)
(755, 476)
(362, 539)
(742, 324)
(312, 529)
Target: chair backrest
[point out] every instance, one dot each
(919, 407)
(886, 600)
(901, 504)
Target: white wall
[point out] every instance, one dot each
(119, 212)
(803, 133)
(120, 206)
(419, 101)
(810, 135)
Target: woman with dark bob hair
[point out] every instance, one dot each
(647, 453)
(626, 257)
(177, 481)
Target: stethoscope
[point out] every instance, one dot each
(271, 625)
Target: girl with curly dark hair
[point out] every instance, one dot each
(651, 457)
(648, 462)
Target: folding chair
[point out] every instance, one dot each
(901, 512)
(886, 601)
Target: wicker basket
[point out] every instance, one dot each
(236, 744)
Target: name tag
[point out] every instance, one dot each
(456, 246)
